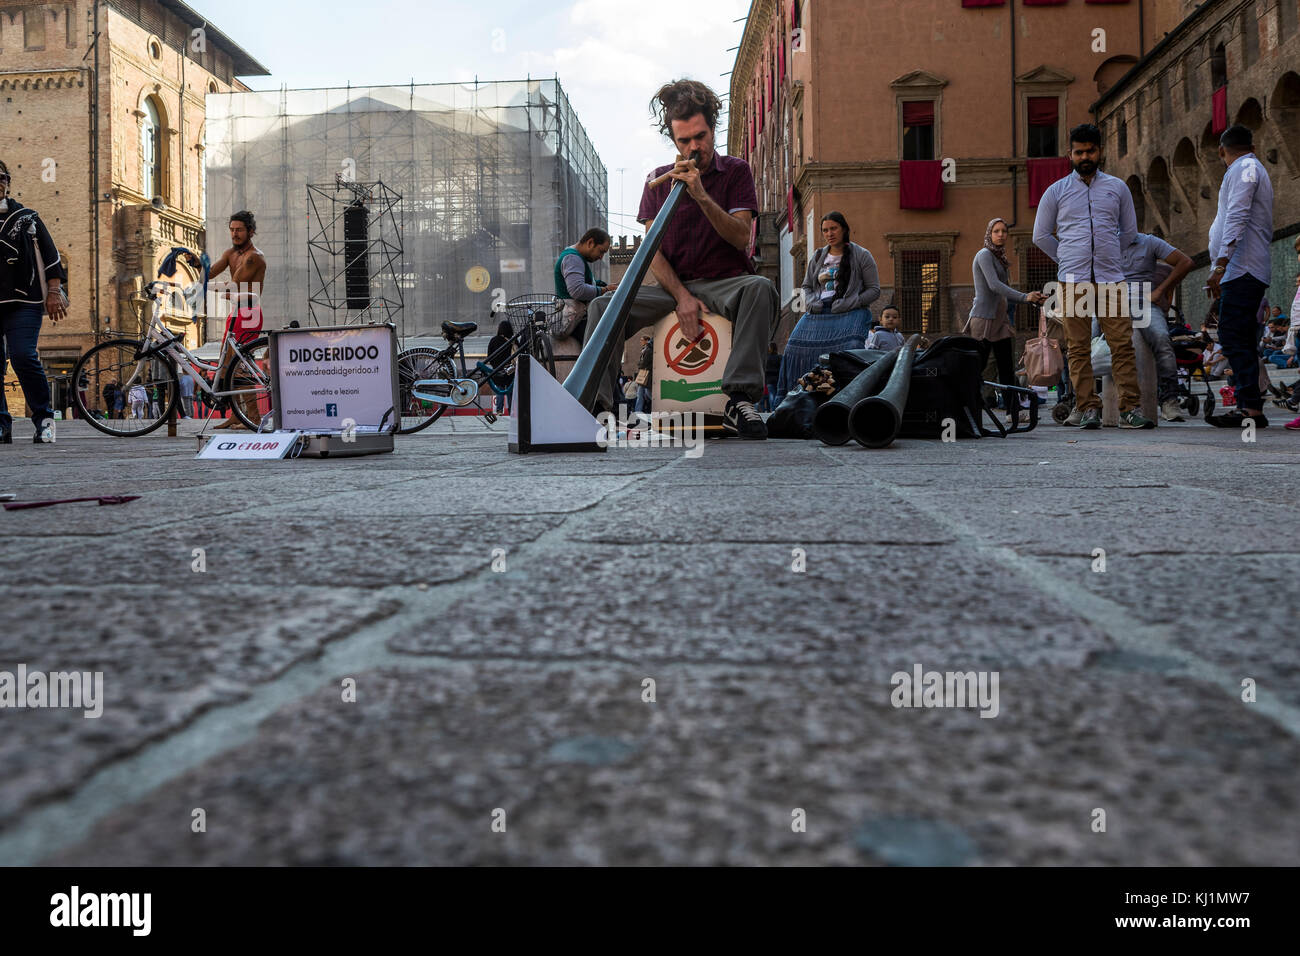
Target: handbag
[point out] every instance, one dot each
(643, 376)
(40, 270)
(1043, 362)
(1100, 357)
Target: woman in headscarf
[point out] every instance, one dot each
(841, 282)
(988, 323)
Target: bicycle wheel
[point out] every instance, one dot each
(250, 375)
(540, 349)
(414, 365)
(147, 386)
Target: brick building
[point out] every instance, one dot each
(1229, 61)
(955, 109)
(105, 140)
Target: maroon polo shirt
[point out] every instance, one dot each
(690, 244)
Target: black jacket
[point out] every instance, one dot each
(18, 279)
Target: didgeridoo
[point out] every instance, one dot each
(583, 382)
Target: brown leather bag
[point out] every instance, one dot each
(1043, 361)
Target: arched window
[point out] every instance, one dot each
(1123, 137)
(1218, 68)
(1249, 37)
(150, 151)
(1139, 202)
(1285, 107)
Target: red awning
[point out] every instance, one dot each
(1044, 172)
(1219, 120)
(920, 184)
(918, 113)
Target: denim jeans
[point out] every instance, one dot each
(642, 399)
(1156, 335)
(20, 326)
(1239, 332)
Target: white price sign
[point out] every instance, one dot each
(269, 446)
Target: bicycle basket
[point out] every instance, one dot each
(520, 309)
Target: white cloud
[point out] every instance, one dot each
(621, 52)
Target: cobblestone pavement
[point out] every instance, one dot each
(516, 693)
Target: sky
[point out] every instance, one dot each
(610, 56)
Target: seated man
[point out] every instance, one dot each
(1146, 259)
(574, 284)
(701, 262)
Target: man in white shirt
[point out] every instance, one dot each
(1239, 247)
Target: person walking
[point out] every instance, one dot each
(505, 377)
(1239, 247)
(139, 400)
(26, 292)
(187, 394)
(841, 282)
(1084, 222)
(989, 322)
(645, 366)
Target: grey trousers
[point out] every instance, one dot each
(750, 302)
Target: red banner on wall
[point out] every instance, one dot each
(1044, 172)
(920, 184)
(1219, 105)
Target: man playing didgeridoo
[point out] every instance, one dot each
(701, 263)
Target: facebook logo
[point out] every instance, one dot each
(331, 411)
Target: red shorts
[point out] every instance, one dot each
(246, 323)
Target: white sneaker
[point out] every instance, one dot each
(1172, 411)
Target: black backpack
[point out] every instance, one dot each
(947, 379)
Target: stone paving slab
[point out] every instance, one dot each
(711, 772)
(166, 656)
(521, 688)
(865, 606)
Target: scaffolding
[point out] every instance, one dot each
(354, 280)
(494, 180)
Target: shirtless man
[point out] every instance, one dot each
(244, 290)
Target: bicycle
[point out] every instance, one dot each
(126, 366)
(430, 380)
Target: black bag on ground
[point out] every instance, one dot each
(793, 418)
(947, 379)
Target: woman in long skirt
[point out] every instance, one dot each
(842, 281)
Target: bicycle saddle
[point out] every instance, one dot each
(451, 329)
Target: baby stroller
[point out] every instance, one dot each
(1188, 355)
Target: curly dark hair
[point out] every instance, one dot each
(682, 99)
(247, 219)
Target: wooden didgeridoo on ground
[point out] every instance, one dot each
(583, 382)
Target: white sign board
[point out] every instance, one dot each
(335, 380)
(268, 446)
(514, 265)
